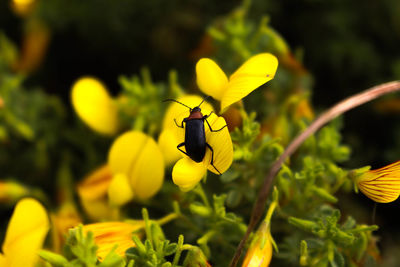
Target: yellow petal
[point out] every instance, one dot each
(381, 185)
(239, 88)
(125, 150)
(95, 106)
(187, 173)
(138, 157)
(26, 232)
(147, 176)
(119, 191)
(221, 144)
(167, 141)
(95, 185)
(261, 65)
(210, 78)
(176, 110)
(255, 72)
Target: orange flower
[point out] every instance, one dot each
(381, 185)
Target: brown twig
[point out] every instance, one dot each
(337, 110)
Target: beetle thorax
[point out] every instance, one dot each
(195, 113)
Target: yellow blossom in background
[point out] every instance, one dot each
(92, 192)
(22, 7)
(11, 191)
(168, 139)
(255, 72)
(381, 185)
(108, 234)
(137, 166)
(95, 106)
(25, 234)
(186, 172)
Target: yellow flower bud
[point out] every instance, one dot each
(381, 185)
(260, 251)
(94, 106)
(138, 157)
(25, 234)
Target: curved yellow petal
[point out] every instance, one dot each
(94, 186)
(187, 173)
(381, 185)
(220, 142)
(167, 141)
(119, 191)
(125, 150)
(26, 232)
(255, 72)
(178, 112)
(95, 106)
(138, 157)
(210, 78)
(260, 65)
(239, 88)
(147, 176)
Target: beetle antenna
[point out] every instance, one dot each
(204, 99)
(170, 99)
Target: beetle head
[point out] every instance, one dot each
(195, 109)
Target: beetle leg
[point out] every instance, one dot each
(180, 145)
(212, 157)
(209, 126)
(206, 116)
(177, 124)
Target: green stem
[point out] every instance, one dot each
(178, 251)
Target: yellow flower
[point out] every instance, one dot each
(92, 192)
(137, 166)
(108, 234)
(168, 139)
(381, 185)
(186, 172)
(25, 235)
(94, 105)
(255, 72)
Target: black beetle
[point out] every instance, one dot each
(195, 136)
